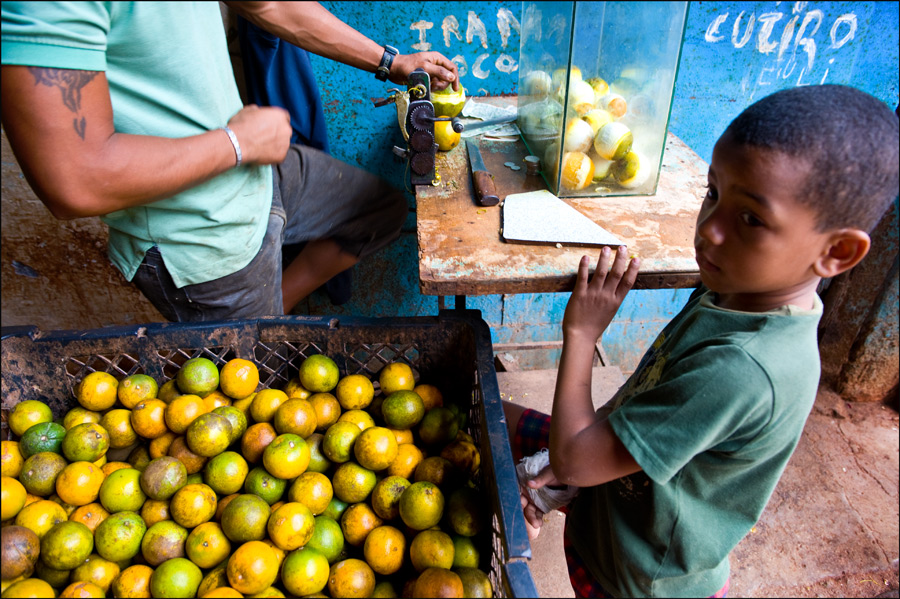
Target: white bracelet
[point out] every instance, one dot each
(234, 142)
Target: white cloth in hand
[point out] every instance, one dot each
(545, 498)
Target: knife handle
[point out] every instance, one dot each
(485, 193)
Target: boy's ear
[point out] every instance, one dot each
(845, 249)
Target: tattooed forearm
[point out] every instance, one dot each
(69, 82)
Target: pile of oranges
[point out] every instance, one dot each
(207, 487)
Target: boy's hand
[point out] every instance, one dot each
(534, 517)
(593, 304)
(264, 133)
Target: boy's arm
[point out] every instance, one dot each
(584, 450)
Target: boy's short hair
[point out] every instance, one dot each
(850, 140)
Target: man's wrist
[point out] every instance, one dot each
(387, 60)
(234, 142)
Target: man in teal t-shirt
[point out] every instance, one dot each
(129, 111)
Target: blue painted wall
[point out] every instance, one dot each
(733, 54)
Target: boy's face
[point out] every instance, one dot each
(755, 243)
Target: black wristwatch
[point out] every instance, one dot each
(387, 59)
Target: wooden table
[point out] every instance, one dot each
(462, 253)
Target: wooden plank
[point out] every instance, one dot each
(461, 251)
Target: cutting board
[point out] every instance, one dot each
(541, 218)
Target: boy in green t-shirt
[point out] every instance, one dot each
(674, 473)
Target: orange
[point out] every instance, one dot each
(223, 503)
(244, 404)
(403, 435)
(408, 458)
(168, 391)
(207, 546)
(255, 441)
(431, 549)
(312, 489)
(160, 445)
(118, 424)
(438, 427)
(91, 515)
(148, 419)
(431, 396)
(182, 411)
(465, 511)
(163, 477)
(386, 496)
(384, 589)
(266, 403)
(138, 458)
(79, 483)
(226, 473)
(224, 592)
(155, 510)
(360, 418)
(79, 415)
(438, 582)
(318, 462)
(39, 473)
(318, 373)
(29, 587)
(20, 551)
(338, 442)
(96, 570)
(260, 482)
(85, 442)
(351, 578)
(328, 410)
(297, 416)
(216, 399)
(357, 521)
(293, 388)
(422, 505)
(66, 545)
(135, 388)
(97, 391)
(252, 568)
(245, 518)
(163, 541)
(291, 526)
(209, 434)
(475, 582)
(193, 505)
(12, 459)
(82, 589)
(121, 491)
(28, 413)
(286, 457)
(465, 552)
(198, 376)
(402, 409)
(40, 516)
(304, 572)
(463, 455)
(355, 392)
(133, 582)
(238, 378)
(45, 436)
(353, 483)
(177, 577)
(328, 538)
(13, 498)
(237, 418)
(437, 470)
(396, 376)
(384, 548)
(446, 137)
(193, 463)
(375, 448)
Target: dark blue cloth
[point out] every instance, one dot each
(278, 73)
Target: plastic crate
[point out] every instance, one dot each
(452, 351)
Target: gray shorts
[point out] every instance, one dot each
(315, 197)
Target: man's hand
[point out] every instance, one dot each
(264, 134)
(592, 305)
(534, 517)
(440, 69)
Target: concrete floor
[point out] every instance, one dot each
(830, 528)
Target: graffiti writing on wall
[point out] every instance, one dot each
(790, 41)
(475, 31)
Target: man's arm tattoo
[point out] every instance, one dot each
(69, 82)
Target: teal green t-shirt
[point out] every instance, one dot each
(169, 75)
(712, 415)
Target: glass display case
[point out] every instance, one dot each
(596, 81)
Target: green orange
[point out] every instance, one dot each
(177, 577)
(28, 413)
(319, 373)
(198, 376)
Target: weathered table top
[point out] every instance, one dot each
(461, 251)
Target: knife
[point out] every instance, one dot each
(485, 193)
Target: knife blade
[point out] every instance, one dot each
(485, 193)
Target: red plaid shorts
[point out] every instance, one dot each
(532, 435)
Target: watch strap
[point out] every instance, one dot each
(387, 59)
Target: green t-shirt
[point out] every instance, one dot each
(712, 415)
(169, 75)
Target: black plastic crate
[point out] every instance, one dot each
(452, 351)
